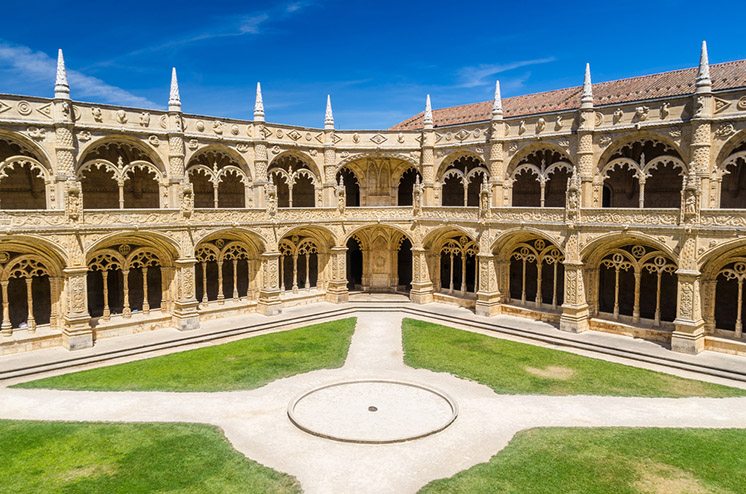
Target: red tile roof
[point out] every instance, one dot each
(728, 75)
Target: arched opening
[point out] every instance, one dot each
(26, 292)
(204, 192)
(556, 188)
(634, 281)
(461, 182)
(295, 182)
(458, 266)
(231, 190)
(141, 189)
(526, 189)
(729, 299)
(22, 176)
(354, 264)
(404, 265)
(225, 270)
(733, 186)
(299, 264)
(663, 187)
(607, 198)
(351, 185)
(537, 274)
(405, 190)
(22, 186)
(623, 188)
(116, 174)
(100, 189)
(124, 279)
(644, 173)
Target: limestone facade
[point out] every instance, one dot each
(627, 217)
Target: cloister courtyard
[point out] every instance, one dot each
(373, 400)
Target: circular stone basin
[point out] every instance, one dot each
(372, 411)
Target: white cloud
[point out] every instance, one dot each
(251, 25)
(478, 75)
(27, 64)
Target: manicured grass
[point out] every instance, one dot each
(609, 461)
(64, 457)
(245, 364)
(518, 368)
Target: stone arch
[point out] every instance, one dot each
(130, 273)
(382, 264)
(228, 266)
(641, 165)
(453, 156)
(461, 180)
(297, 179)
(506, 240)
(377, 175)
(452, 261)
(633, 137)
(593, 250)
(723, 271)
(220, 178)
(31, 284)
(538, 176)
(120, 172)
(26, 179)
(728, 189)
(304, 259)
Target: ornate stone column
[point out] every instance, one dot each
(422, 285)
(584, 151)
(689, 335)
(329, 197)
(175, 128)
(496, 149)
(701, 130)
(184, 314)
(427, 146)
(575, 314)
(260, 151)
(269, 293)
(488, 295)
(336, 291)
(64, 140)
(76, 330)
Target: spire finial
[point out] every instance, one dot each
(428, 119)
(61, 87)
(586, 100)
(174, 100)
(259, 104)
(704, 83)
(497, 104)
(328, 116)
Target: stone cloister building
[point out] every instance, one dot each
(616, 207)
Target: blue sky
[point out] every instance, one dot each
(377, 59)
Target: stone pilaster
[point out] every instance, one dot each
(488, 295)
(422, 285)
(336, 291)
(176, 155)
(585, 160)
(76, 331)
(184, 314)
(575, 314)
(330, 170)
(497, 161)
(689, 333)
(700, 155)
(269, 293)
(260, 165)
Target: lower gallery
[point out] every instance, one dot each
(617, 206)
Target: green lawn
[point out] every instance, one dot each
(518, 368)
(609, 461)
(245, 364)
(65, 457)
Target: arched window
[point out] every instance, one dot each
(462, 181)
(731, 175)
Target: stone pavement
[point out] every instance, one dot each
(256, 421)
